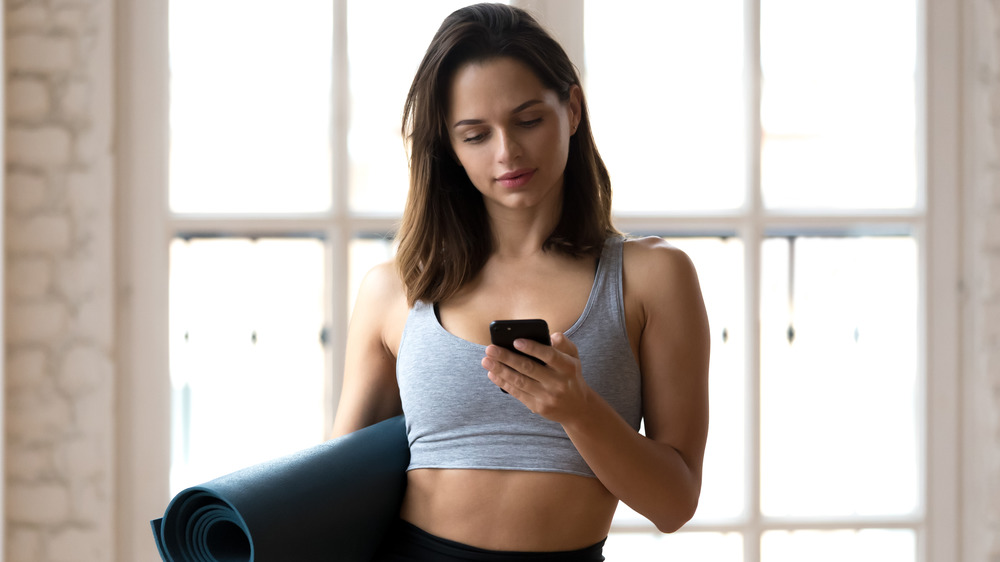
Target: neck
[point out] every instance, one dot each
(522, 232)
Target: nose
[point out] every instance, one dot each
(509, 148)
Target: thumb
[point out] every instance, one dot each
(563, 344)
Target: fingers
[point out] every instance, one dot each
(554, 390)
(513, 369)
(502, 361)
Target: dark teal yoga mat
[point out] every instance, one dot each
(330, 502)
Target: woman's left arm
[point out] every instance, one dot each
(659, 474)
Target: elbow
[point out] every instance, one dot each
(670, 528)
(673, 519)
(671, 525)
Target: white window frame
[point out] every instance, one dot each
(147, 227)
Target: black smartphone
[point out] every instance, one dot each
(504, 332)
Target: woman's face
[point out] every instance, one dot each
(511, 133)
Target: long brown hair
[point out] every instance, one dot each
(444, 238)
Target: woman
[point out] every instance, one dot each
(509, 216)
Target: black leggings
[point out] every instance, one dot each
(408, 543)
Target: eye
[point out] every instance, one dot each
(474, 139)
(530, 123)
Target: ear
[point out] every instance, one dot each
(575, 105)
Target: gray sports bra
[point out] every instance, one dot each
(457, 418)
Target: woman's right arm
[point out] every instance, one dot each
(369, 393)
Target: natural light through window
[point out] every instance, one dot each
(378, 171)
(246, 359)
(250, 111)
(839, 104)
(792, 180)
(839, 377)
(667, 100)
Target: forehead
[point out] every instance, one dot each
(482, 89)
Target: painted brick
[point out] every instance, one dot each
(90, 413)
(91, 145)
(76, 545)
(40, 504)
(45, 234)
(38, 146)
(60, 280)
(28, 278)
(26, 368)
(26, 193)
(84, 459)
(71, 19)
(29, 464)
(75, 100)
(90, 193)
(76, 277)
(23, 544)
(27, 99)
(36, 323)
(990, 314)
(991, 239)
(89, 500)
(38, 53)
(94, 321)
(37, 418)
(84, 369)
(991, 282)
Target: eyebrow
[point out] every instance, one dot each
(514, 111)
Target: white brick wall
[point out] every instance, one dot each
(60, 368)
(982, 239)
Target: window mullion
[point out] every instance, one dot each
(753, 233)
(340, 96)
(338, 228)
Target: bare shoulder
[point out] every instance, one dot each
(369, 392)
(383, 280)
(654, 268)
(381, 303)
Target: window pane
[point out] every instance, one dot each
(246, 361)
(839, 103)
(379, 79)
(655, 547)
(665, 92)
(868, 545)
(719, 262)
(840, 414)
(250, 108)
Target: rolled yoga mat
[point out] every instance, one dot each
(330, 502)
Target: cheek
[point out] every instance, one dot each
(471, 161)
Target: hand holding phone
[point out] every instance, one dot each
(504, 332)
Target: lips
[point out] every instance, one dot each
(517, 178)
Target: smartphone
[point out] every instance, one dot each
(504, 332)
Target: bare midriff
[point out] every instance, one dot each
(509, 510)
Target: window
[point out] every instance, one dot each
(278, 205)
(786, 160)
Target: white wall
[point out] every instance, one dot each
(60, 300)
(70, 379)
(981, 514)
